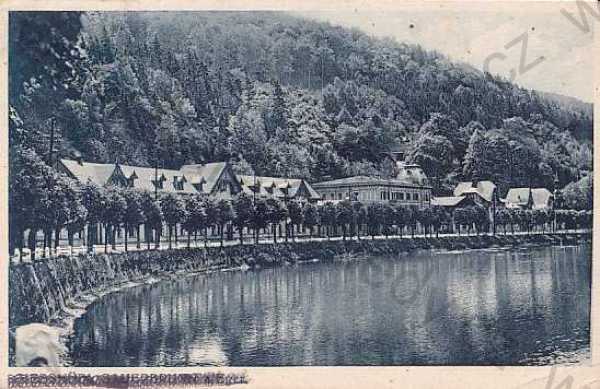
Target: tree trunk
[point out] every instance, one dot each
(221, 232)
(89, 239)
(57, 237)
(137, 237)
(274, 226)
(70, 235)
(126, 236)
(12, 240)
(45, 232)
(189, 239)
(241, 233)
(148, 235)
(105, 238)
(113, 238)
(19, 242)
(93, 237)
(157, 237)
(170, 236)
(32, 242)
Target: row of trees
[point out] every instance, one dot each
(106, 212)
(531, 220)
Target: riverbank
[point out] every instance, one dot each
(58, 290)
(40, 291)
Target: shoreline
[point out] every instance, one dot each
(124, 276)
(64, 322)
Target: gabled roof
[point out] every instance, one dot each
(146, 176)
(485, 189)
(96, 173)
(450, 201)
(312, 193)
(278, 185)
(520, 197)
(517, 196)
(541, 197)
(188, 176)
(210, 172)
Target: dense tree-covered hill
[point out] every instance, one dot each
(281, 95)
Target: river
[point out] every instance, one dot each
(526, 306)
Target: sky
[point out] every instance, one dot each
(473, 33)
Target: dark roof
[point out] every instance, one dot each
(100, 173)
(366, 180)
(189, 175)
(146, 176)
(210, 172)
(96, 173)
(277, 184)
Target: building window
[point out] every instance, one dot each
(415, 196)
(339, 196)
(401, 195)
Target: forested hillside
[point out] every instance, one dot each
(280, 95)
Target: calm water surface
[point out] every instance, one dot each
(526, 306)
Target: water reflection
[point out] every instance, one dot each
(476, 307)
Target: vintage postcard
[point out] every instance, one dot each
(299, 195)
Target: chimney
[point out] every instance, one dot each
(78, 158)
